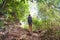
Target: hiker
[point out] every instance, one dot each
(30, 22)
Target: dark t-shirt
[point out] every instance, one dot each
(29, 19)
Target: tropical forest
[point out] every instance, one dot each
(29, 19)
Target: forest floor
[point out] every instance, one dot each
(18, 33)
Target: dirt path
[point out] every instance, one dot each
(18, 33)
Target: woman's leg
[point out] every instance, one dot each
(30, 27)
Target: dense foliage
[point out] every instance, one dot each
(14, 9)
(49, 14)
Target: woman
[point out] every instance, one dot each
(30, 22)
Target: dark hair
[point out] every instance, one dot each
(29, 15)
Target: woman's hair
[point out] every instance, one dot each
(29, 15)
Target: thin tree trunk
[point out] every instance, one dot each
(3, 4)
